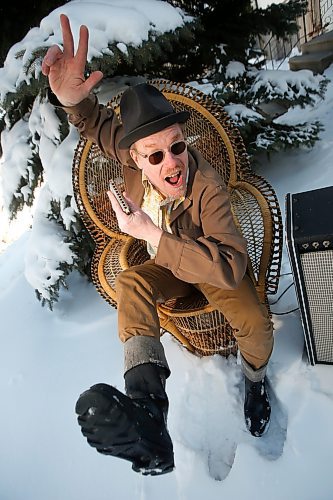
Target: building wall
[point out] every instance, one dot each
(318, 19)
(326, 8)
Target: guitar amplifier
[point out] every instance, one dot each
(309, 232)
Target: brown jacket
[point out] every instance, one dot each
(205, 245)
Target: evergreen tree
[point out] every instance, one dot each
(26, 115)
(261, 101)
(226, 55)
(227, 30)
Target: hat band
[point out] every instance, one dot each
(153, 127)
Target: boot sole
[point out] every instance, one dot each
(103, 407)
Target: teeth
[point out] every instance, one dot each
(173, 175)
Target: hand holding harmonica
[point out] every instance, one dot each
(132, 219)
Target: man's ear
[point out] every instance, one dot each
(135, 157)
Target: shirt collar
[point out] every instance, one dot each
(163, 201)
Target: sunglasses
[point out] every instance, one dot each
(177, 148)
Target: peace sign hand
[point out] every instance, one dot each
(65, 70)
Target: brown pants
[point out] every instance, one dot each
(140, 288)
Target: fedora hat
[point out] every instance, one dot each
(144, 110)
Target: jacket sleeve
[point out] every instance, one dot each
(218, 257)
(100, 125)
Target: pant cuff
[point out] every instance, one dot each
(139, 350)
(251, 373)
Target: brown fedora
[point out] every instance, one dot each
(144, 111)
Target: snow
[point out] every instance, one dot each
(45, 250)
(42, 258)
(49, 358)
(262, 4)
(234, 69)
(123, 22)
(286, 84)
(241, 114)
(16, 153)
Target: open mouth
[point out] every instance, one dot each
(174, 179)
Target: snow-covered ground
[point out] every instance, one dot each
(48, 358)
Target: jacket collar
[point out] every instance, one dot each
(189, 193)
(133, 183)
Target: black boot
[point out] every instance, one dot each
(132, 427)
(257, 409)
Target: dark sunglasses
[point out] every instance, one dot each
(177, 148)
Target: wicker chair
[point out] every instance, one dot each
(199, 327)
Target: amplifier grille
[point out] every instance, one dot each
(317, 270)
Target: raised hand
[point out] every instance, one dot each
(65, 70)
(137, 224)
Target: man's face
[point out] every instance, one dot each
(169, 176)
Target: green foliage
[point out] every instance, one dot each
(27, 184)
(54, 290)
(157, 57)
(17, 106)
(232, 26)
(259, 129)
(264, 89)
(282, 137)
(82, 247)
(81, 242)
(254, 87)
(280, 19)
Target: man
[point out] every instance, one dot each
(180, 207)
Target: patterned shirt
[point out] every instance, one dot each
(158, 208)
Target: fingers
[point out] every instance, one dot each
(68, 41)
(52, 55)
(115, 205)
(131, 203)
(67, 36)
(82, 50)
(93, 80)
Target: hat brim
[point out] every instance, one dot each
(153, 127)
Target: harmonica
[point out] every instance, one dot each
(115, 190)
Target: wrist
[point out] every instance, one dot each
(55, 101)
(155, 236)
